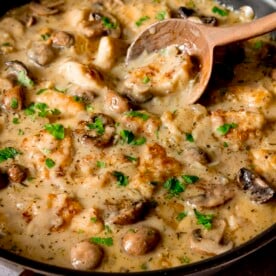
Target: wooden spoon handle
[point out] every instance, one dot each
(222, 35)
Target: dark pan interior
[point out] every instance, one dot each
(205, 267)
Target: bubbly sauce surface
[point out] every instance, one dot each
(102, 165)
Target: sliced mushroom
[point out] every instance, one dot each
(104, 23)
(13, 99)
(259, 191)
(16, 67)
(41, 53)
(140, 240)
(184, 12)
(126, 212)
(212, 196)
(86, 255)
(196, 154)
(42, 10)
(16, 173)
(62, 39)
(138, 98)
(99, 131)
(4, 181)
(210, 242)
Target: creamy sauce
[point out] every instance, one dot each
(88, 149)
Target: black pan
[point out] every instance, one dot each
(205, 267)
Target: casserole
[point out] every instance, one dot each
(267, 234)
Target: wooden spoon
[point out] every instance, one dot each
(198, 40)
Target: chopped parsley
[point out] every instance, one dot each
(258, 45)
(189, 137)
(107, 23)
(181, 216)
(40, 91)
(21, 132)
(50, 163)
(138, 114)
(190, 179)
(101, 164)
(15, 121)
(184, 260)
(221, 12)
(205, 220)
(57, 130)
(161, 15)
(94, 219)
(225, 128)
(45, 36)
(141, 20)
(225, 144)
(174, 186)
(14, 103)
(122, 180)
(42, 110)
(24, 80)
(6, 44)
(146, 79)
(8, 153)
(89, 108)
(78, 99)
(129, 138)
(131, 158)
(97, 125)
(102, 241)
(61, 90)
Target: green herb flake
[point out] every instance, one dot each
(57, 130)
(50, 163)
(139, 141)
(108, 24)
(101, 164)
(20, 132)
(161, 15)
(103, 241)
(24, 80)
(144, 266)
(225, 144)
(205, 220)
(225, 128)
(45, 36)
(42, 109)
(55, 112)
(141, 20)
(89, 108)
(146, 79)
(258, 45)
(94, 219)
(15, 121)
(97, 125)
(174, 186)
(107, 229)
(8, 153)
(127, 136)
(131, 158)
(184, 260)
(61, 90)
(78, 99)
(189, 137)
(122, 180)
(138, 114)
(14, 103)
(6, 44)
(30, 110)
(40, 91)
(181, 216)
(221, 12)
(190, 179)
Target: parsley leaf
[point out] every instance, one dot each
(15, 121)
(131, 158)
(14, 103)
(102, 241)
(146, 79)
(24, 80)
(189, 137)
(138, 114)
(141, 20)
(161, 15)
(205, 220)
(220, 11)
(97, 125)
(181, 216)
(107, 23)
(174, 186)
(57, 130)
(6, 44)
(8, 153)
(45, 36)
(129, 138)
(139, 141)
(40, 91)
(225, 128)
(50, 163)
(258, 45)
(101, 164)
(122, 180)
(190, 179)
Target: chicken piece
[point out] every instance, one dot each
(88, 221)
(82, 75)
(13, 99)
(41, 53)
(42, 146)
(264, 160)
(237, 126)
(110, 49)
(63, 209)
(14, 27)
(115, 103)
(64, 103)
